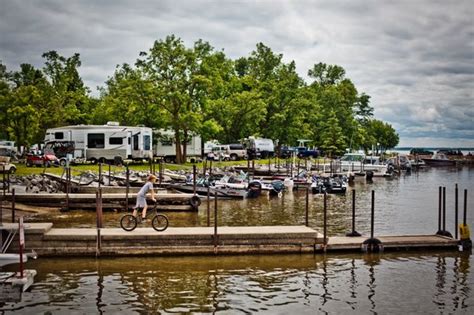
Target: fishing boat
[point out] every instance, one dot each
(336, 184)
(439, 159)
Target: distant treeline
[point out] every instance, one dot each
(196, 89)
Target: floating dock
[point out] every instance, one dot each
(178, 202)
(49, 241)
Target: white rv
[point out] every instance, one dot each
(166, 146)
(260, 147)
(101, 143)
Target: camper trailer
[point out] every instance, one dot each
(260, 148)
(166, 146)
(100, 143)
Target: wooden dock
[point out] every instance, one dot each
(166, 201)
(49, 241)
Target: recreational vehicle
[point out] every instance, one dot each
(166, 145)
(260, 148)
(100, 143)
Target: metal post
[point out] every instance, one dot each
(13, 205)
(253, 169)
(440, 202)
(21, 239)
(194, 179)
(325, 221)
(67, 187)
(215, 219)
(208, 197)
(248, 166)
(100, 174)
(372, 244)
(465, 206)
(98, 197)
(8, 181)
(98, 219)
(456, 211)
(160, 170)
(4, 180)
(127, 185)
(444, 208)
(109, 175)
(354, 232)
(307, 205)
(372, 215)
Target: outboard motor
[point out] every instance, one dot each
(254, 189)
(278, 187)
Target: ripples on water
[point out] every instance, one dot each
(387, 283)
(286, 284)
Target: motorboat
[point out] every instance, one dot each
(336, 184)
(439, 159)
(359, 163)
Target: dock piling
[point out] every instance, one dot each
(194, 179)
(443, 231)
(372, 244)
(353, 232)
(127, 185)
(215, 221)
(307, 205)
(456, 211)
(13, 205)
(325, 229)
(465, 241)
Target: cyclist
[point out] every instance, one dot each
(141, 196)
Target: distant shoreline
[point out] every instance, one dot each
(435, 148)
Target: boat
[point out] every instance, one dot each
(14, 258)
(360, 164)
(439, 159)
(336, 184)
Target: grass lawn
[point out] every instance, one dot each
(23, 170)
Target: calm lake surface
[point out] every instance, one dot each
(420, 282)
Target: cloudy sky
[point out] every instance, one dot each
(415, 58)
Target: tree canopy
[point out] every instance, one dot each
(196, 90)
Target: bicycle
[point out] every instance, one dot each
(159, 222)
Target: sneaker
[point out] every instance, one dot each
(143, 220)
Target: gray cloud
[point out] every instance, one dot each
(414, 58)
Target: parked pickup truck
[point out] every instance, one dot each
(304, 152)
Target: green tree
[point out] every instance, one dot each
(382, 136)
(333, 141)
(130, 99)
(176, 73)
(68, 94)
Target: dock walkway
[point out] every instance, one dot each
(49, 241)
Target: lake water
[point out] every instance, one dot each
(420, 282)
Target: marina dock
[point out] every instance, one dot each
(166, 201)
(49, 241)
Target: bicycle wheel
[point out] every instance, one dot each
(160, 222)
(128, 222)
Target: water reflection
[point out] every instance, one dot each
(378, 283)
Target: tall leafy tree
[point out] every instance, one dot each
(175, 73)
(130, 99)
(69, 95)
(382, 136)
(333, 140)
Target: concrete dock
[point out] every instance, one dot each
(49, 241)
